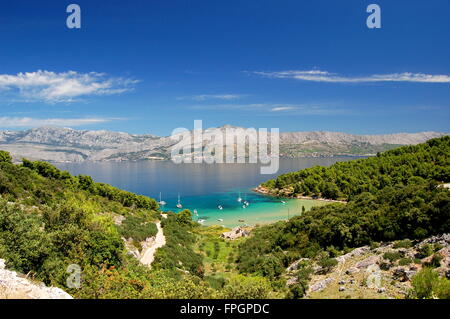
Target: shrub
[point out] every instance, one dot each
(374, 245)
(424, 251)
(297, 291)
(246, 287)
(428, 284)
(216, 282)
(137, 228)
(406, 243)
(435, 261)
(327, 264)
(405, 261)
(392, 256)
(5, 157)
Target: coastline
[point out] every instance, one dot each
(265, 191)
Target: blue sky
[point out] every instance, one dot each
(152, 66)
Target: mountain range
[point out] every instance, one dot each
(56, 144)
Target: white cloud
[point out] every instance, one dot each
(283, 108)
(228, 106)
(307, 109)
(324, 76)
(36, 122)
(204, 97)
(280, 109)
(55, 87)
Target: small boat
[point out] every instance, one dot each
(220, 220)
(241, 220)
(283, 202)
(239, 199)
(246, 203)
(244, 206)
(179, 202)
(195, 212)
(220, 207)
(201, 221)
(161, 202)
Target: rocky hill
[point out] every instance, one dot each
(383, 271)
(68, 145)
(17, 286)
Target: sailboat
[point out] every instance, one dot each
(246, 203)
(179, 202)
(161, 202)
(195, 212)
(220, 207)
(239, 199)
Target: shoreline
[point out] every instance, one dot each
(265, 191)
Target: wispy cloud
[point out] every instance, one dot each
(36, 122)
(229, 106)
(324, 76)
(283, 108)
(52, 87)
(205, 97)
(280, 109)
(308, 109)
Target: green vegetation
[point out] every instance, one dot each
(406, 243)
(137, 228)
(345, 180)
(405, 261)
(428, 284)
(178, 252)
(435, 261)
(304, 272)
(5, 157)
(393, 196)
(327, 264)
(50, 219)
(392, 256)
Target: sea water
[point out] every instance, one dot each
(203, 187)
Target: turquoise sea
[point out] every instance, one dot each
(204, 187)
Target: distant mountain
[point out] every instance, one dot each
(68, 145)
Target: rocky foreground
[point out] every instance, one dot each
(17, 286)
(376, 272)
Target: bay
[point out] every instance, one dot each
(203, 187)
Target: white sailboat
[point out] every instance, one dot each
(161, 202)
(179, 202)
(239, 199)
(220, 207)
(246, 203)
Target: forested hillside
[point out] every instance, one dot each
(50, 220)
(344, 180)
(396, 195)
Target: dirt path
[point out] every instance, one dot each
(160, 241)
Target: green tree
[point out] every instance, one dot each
(5, 157)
